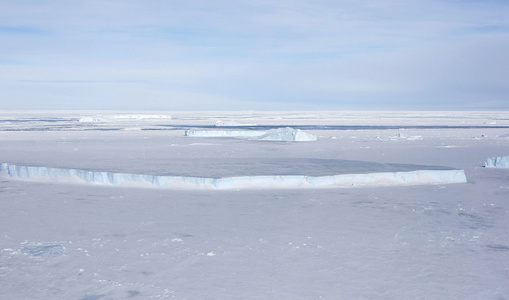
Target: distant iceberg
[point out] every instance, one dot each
(127, 117)
(95, 119)
(497, 162)
(226, 123)
(237, 182)
(141, 117)
(286, 134)
(224, 133)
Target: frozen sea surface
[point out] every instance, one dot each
(69, 241)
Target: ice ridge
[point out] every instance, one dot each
(265, 181)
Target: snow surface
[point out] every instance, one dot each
(498, 162)
(86, 241)
(127, 117)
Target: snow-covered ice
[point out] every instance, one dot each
(66, 240)
(43, 250)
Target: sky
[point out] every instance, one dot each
(254, 55)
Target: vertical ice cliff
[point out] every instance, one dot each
(497, 162)
(287, 135)
(265, 181)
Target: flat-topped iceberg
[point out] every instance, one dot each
(286, 134)
(95, 119)
(224, 133)
(141, 117)
(264, 181)
(226, 123)
(127, 117)
(497, 162)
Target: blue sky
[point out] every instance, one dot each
(260, 55)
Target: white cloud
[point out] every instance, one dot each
(273, 51)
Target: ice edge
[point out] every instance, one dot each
(267, 181)
(497, 162)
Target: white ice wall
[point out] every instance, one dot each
(268, 181)
(286, 134)
(225, 133)
(497, 162)
(100, 119)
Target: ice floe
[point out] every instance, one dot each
(266, 181)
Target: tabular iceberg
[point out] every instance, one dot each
(224, 133)
(92, 120)
(286, 134)
(497, 162)
(264, 181)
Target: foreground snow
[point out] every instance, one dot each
(83, 242)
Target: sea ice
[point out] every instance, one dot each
(41, 250)
(400, 242)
